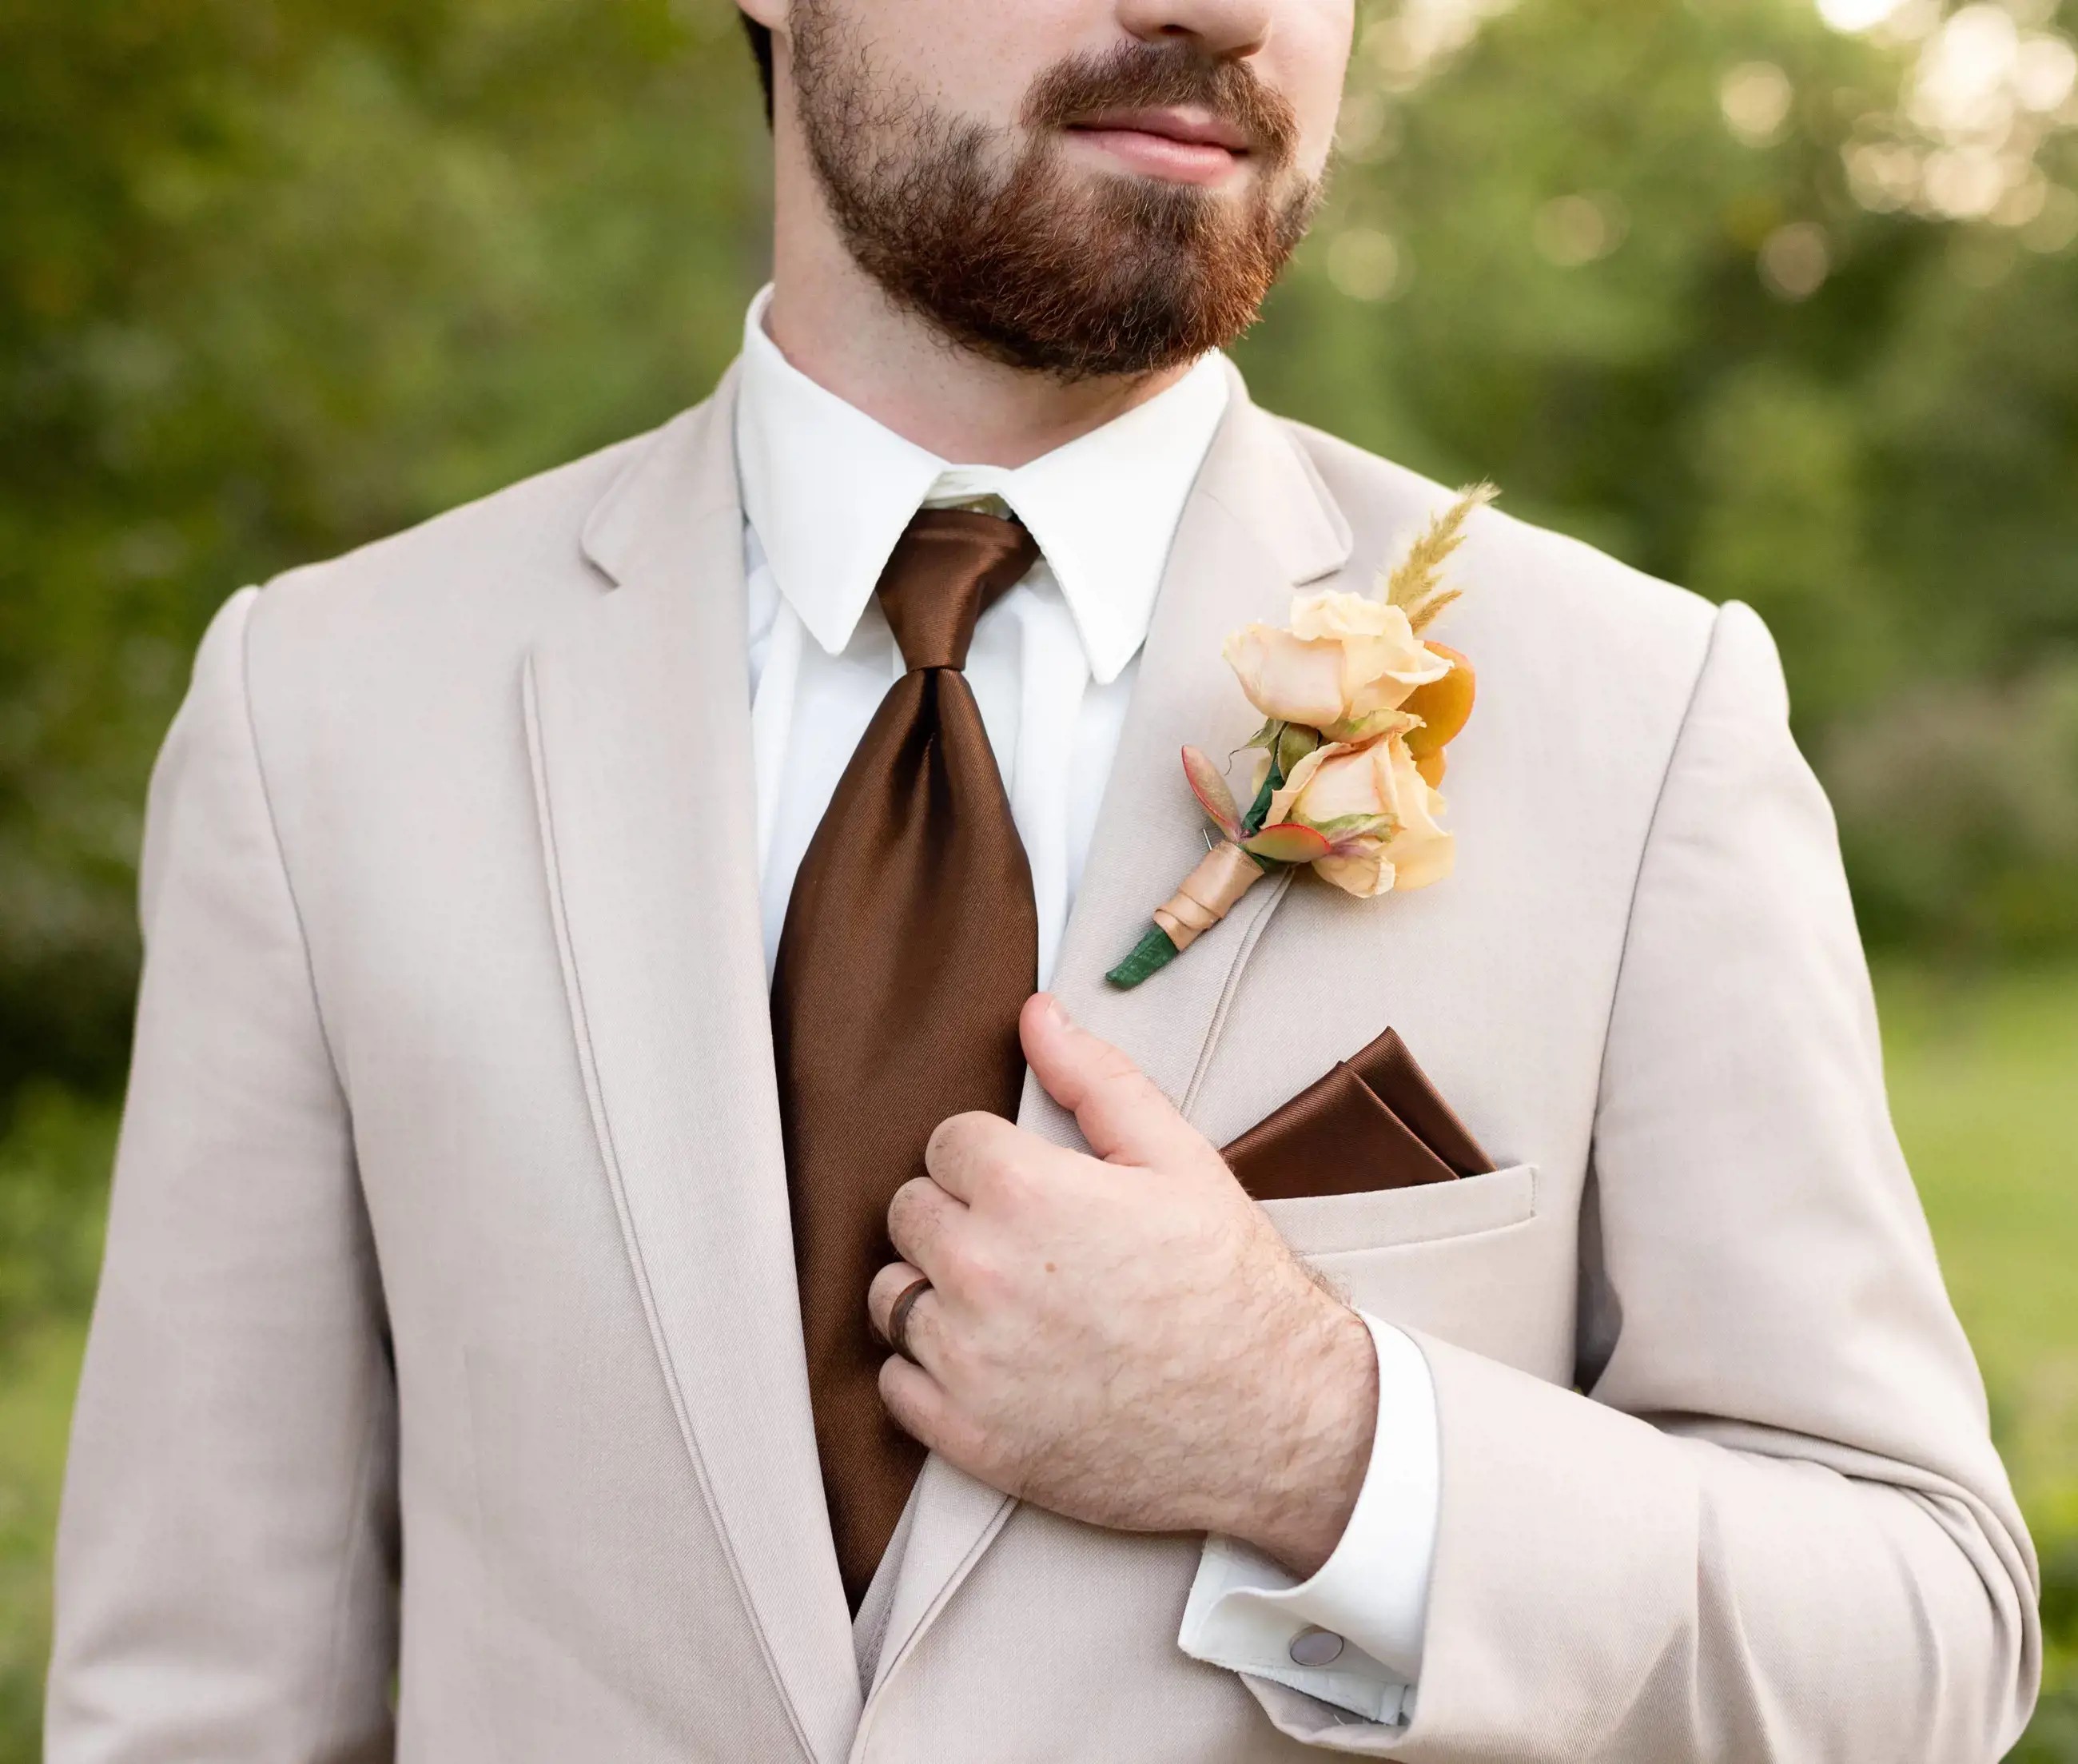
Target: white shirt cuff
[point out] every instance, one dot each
(1359, 1621)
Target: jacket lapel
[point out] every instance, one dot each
(639, 727)
(1260, 522)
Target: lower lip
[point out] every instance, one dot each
(1163, 156)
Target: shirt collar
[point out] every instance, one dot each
(827, 491)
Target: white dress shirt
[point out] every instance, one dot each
(827, 492)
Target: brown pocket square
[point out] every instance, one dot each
(1374, 1121)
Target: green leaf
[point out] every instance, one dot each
(1271, 780)
(1345, 826)
(1153, 952)
(1293, 745)
(1287, 843)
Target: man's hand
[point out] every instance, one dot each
(1127, 1341)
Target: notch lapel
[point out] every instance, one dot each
(638, 720)
(1259, 523)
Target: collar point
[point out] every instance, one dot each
(1106, 668)
(828, 637)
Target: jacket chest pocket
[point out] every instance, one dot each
(1470, 1261)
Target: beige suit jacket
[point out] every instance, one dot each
(447, 1333)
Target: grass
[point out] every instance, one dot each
(36, 1401)
(1983, 1073)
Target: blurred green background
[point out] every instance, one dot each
(1778, 298)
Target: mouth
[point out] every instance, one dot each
(1182, 144)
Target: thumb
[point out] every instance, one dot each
(1123, 1116)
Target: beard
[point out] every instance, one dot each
(1006, 251)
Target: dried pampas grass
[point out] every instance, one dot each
(1416, 585)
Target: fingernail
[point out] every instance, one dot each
(1055, 1014)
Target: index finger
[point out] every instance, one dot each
(964, 1149)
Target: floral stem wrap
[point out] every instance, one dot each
(1205, 897)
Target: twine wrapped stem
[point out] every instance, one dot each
(1207, 895)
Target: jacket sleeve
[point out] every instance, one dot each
(226, 1552)
(1771, 1523)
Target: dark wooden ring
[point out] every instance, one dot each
(897, 1318)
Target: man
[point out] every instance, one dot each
(592, 952)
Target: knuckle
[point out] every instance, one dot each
(968, 1443)
(919, 1330)
(956, 1137)
(895, 1396)
(885, 1288)
(953, 1361)
(1143, 1096)
(988, 1283)
(1000, 1464)
(911, 1202)
(943, 1141)
(973, 1272)
(1116, 1064)
(949, 1273)
(911, 1224)
(986, 1157)
(1149, 1094)
(1004, 1179)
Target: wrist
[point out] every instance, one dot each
(1302, 1504)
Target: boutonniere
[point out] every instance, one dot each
(1359, 707)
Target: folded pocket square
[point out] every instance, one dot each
(1374, 1121)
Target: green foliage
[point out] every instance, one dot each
(1638, 262)
(53, 1166)
(1960, 819)
(37, 1374)
(276, 278)
(52, 1162)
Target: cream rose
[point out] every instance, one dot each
(1376, 810)
(1344, 665)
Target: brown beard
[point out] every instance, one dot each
(1026, 263)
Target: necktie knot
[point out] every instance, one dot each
(947, 568)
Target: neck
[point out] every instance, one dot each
(834, 323)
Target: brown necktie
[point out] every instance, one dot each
(910, 944)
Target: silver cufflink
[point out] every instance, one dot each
(1316, 1647)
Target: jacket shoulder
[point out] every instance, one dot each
(1529, 575)
(427, 629)
(1583, 661)
(449, 606)
(508, 551)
